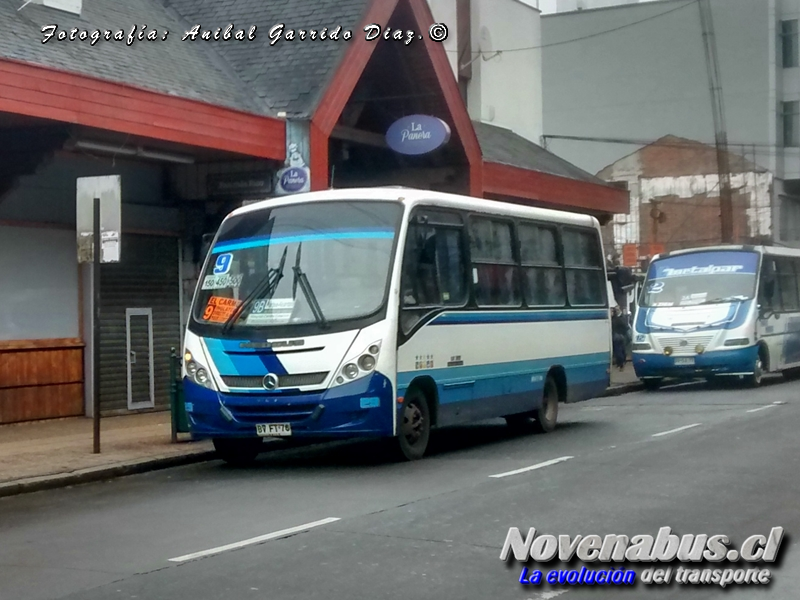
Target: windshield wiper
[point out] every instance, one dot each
(308, 292)
(267, 286)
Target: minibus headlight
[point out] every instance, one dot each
(699, 349)
(358, 365)
(366, 362)
(668, 351)
(636, 347)
(350, 371)
(197, 372)
(737, 342)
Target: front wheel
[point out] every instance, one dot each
(238, 452)
(756, 378)
(415, 427)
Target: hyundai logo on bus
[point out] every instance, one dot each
(417, 134)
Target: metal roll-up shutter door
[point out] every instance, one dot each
(146, 277)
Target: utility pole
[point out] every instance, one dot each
(720, 133)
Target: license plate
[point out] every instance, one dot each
(274, 429)
(684, 361)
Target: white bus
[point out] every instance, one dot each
(384, 312)
(722, 311)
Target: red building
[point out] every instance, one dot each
(195, 127)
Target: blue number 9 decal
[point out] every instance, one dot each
(223, 264)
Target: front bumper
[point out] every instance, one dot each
(738, 361)
(360, 408)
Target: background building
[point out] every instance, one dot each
(674, 200)
(637, 72)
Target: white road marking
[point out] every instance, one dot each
(547, 463)
(676, 430)
(262, 538)
(779, 402)
(762, 408)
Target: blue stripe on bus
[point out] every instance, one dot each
(508, 377)
(258, 242)
(242, 364)
(528, 316)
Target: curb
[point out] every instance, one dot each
(625, 388)
(47, 482)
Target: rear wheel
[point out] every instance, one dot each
(544, 418)
(415, 426)
(237, 451)
(547, 414)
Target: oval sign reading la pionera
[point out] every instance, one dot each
(417, 134)
(293, 179)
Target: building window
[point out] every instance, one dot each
(583, 259)
(789, 45)
(790, 119)
(542, 275)
(494, 270)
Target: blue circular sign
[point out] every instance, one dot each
(293, 179)
(417, 134)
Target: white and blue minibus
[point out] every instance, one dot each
(385, 312)
(722, 311)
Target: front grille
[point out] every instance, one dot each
(284, 381)
(290, 413)
(243, 382)
(685, 345)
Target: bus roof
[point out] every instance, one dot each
(769, 250)
(411, 197)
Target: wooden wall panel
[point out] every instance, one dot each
(41, 402)
(40, 379)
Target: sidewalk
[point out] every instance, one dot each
(53, 453)
(625, 377)
(624, 381)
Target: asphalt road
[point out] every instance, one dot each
(696, 459)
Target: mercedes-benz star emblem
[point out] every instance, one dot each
(270, 381)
